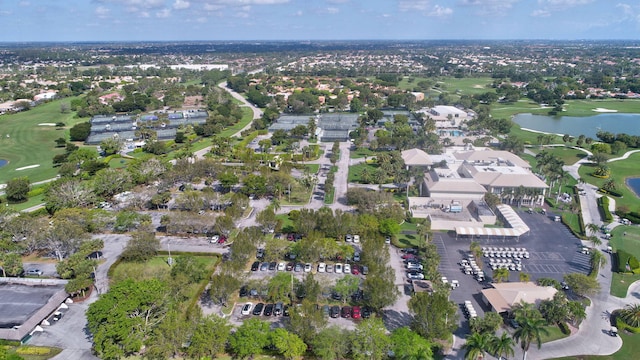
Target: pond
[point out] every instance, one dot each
(634, 184)
(576, 126)
(3, 162)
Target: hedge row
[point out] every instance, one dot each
(564, 328)
(623, 258)
(603, 203)
(32, 350)
(632, 216)
(623, 326)
(609, 192)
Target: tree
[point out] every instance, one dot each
(331, 343)
(407, 344)
(502, 345)
(250, 338)
(524, 277)
(11, 264)
(142, 246)
(598, 260)
(370, 340)
(381, 287)
(122, 318)
(267, 218)
(108, 182)
(490, 323)
(187, 269)
(279, 287)
(592, 229)
(305, 320)
(346, 286)
(80, 132)
(222, 286)
(63, 238)
(500, 275)
(389, 227)
(530, 329)
(288, 345)
(631, 315)
(17, 189)
(209, 337)
(167, 339)
(582, 284)
(434, 316)
(111, 146)
(477, 345)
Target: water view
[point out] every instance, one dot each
(634, 184)
(576, 126)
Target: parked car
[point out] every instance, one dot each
(257, 310)
(264, 266)
(410, 251)
(365, 270)
(415, 275)
(326, 309)
(281, 266)
(307, 267)
(260, 253)
(277, 310)
(346, 312)
(289, 266)
(329, 268)
(387, 240)
(366, 312)
(347, 269)
(268, 309)
(255, 266)
(298, 267)
(338, 268)
(355, 270)
(356, 256)
(246, 309)
(285, 310)
(34, 272)
(335, 311)
(355, 312)
(322, 267)
(272, 266)
(348, 238)
(414, 266)
(244, 292)
(356, 238)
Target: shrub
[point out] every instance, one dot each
(633, 263)
(622, 258)
(623, 326)
(603, 203)
(36, 192)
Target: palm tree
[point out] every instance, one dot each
(576, 312)
(530, 329)
(610, 185)
(500, 275)
(477, 345)
(631, 315)
(502, 345)
(592, 228)
(595, 241)
(524, 277)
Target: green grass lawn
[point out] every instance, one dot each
(568, 155)
(247, 117)
(620, 170)
(119, 163)
(299, 196)
(285, 221)
(629, 350)
(312, 168)
(631, 244)
(329, 194)
(48, 352)
(571, 107)
(157, 267)
(33, 201)
(356, 170)
(31, 144)
(468, 86)
(554, 334)
(362, 152)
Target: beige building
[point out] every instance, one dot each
(504, 296)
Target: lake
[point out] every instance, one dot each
(3, 162)
(634, 184)
(576, 126)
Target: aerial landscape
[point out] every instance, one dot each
(329, 179)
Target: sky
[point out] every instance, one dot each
(214, 20)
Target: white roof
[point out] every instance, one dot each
(504, 295)
(416, 157)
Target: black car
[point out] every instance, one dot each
(264, 266)
(346, 312)
(258, 309)
(289, 266)
(335, 311)
(366, 312)
(298, 267)
(272, 266)
(410, 251)
(255, 266)
(244, 292)
(285, 311)
(268, 310)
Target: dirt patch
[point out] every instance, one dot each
(192, 101)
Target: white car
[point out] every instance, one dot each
(338, 268)
(414, 266)
(356, 238)
(347, 269)
(281, 266)
(246, 309)
(307, 267)
(322, 267)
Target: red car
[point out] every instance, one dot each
(409, 256)
(355, 270)
(355, 312)
(222, 239)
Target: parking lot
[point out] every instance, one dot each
(553, 252)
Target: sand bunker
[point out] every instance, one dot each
(47, 124)
(28, 167)
(603, 110)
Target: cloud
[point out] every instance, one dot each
(490, 7)
(181, 4)
(248, 2)
(163, 14)
(102, 12)
(629, 12)
(298, 13)
(413, 5)
(24, 3)
(337, 1)
(541, 13)
(439, 11)
(332, 10)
